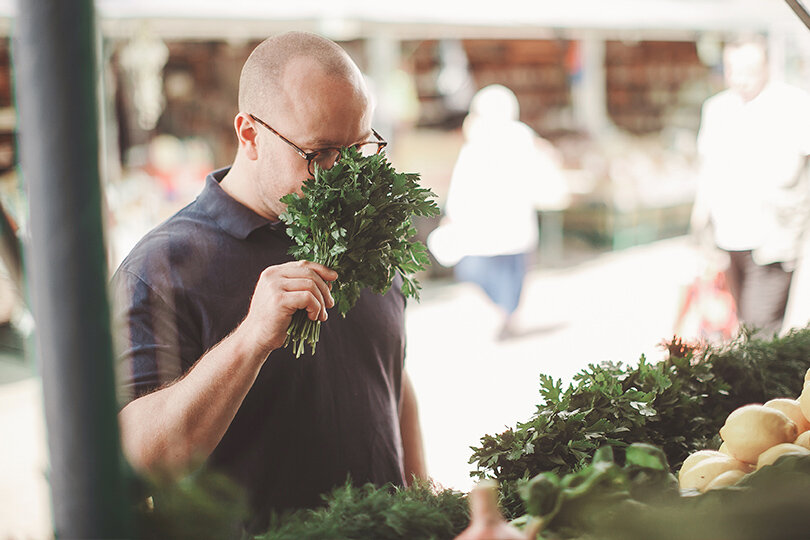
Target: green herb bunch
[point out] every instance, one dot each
(418, 512)
(678, 404)
(640, 499)
(580, 504)
(608, 404)
(210, 506)
(355, 218)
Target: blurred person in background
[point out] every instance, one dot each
(503, 175)
(752, 192)
(203, 303)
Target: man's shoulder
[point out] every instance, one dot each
(170, 241)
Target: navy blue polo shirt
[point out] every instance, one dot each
(307, 422)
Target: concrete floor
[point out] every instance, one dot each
(613, 306)
(616, 306)
(24, 503)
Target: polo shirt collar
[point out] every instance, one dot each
(232, 216)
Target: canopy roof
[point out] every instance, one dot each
(425, 19)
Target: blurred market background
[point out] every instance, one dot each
(616, 87)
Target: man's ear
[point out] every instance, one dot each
(246, 134)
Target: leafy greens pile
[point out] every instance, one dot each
(418, 512)
(582, 502)
(355, 218)
(544, 467)
(640, 500)
(678, 404)
(207, 505)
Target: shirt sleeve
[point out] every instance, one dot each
(153, 341)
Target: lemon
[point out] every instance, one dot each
(804, 400)
(803, 440)
(701, 474)
(772, 454)
(696, 457)
(793, 411)
(728, 478)
(752, 429)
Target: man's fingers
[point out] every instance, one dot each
(316, 273)
(316, 288)
(298, 285)
(325, 273)
(307, 301)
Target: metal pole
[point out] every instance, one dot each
(56, 92)
(800, 10)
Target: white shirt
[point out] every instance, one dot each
(499, 182)
(751, 155)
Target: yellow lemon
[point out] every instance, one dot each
(772, 454)
(696, 457)
(752, 429)
(804, 400)
(701, 474)
(803, 440)
(728, 478)
(793, 411)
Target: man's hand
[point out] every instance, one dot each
(173, 428)
(280, 292)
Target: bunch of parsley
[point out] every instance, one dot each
(355, 218)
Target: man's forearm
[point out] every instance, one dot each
(172, 429)
(411, 432)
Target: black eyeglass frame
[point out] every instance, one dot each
(310, 156)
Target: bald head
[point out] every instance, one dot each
(262, 83)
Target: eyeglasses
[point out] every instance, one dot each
(326, 157)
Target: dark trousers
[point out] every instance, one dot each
(760, 292)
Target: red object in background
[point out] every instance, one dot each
(573, 61)
(708, 311)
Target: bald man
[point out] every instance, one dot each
(204, 301)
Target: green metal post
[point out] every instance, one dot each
(56, 91)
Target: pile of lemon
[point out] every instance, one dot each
(754, 436)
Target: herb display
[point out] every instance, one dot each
(416, 513)
(761, 369)
(640, 500)
(207, 505)
(626, 491)
(678, 404)
(582, 502)
(355, 218)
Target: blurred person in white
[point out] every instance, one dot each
(504, 174)
(753, 143)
